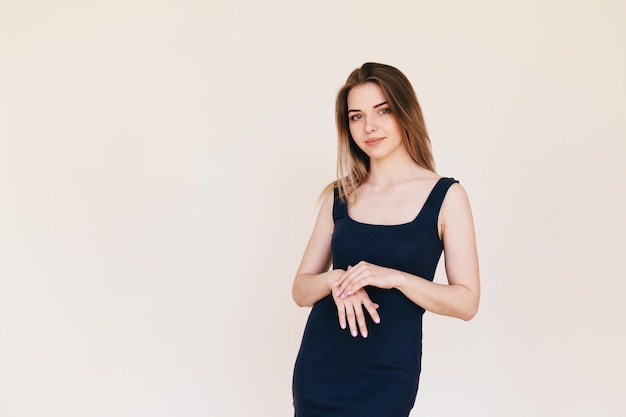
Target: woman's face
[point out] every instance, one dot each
(374, 129)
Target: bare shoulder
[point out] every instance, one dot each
(455, 198)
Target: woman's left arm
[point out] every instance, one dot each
(460, 297)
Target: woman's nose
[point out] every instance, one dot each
(370, 125)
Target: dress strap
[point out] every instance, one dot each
(340, 209)
(432, 205)
(437, 195)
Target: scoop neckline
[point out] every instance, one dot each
(398, 224)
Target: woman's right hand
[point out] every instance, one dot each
(350, 311)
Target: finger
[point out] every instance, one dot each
(371, 309)
(346, 280)
(342, 277)
(351, 320)
(353, 284)
(360, 318)
(357, 284)
(341, 312)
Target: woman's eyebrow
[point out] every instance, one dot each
(375, 107)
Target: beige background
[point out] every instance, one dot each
(159, 168)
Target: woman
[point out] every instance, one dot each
(383, 226)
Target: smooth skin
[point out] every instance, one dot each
(395, 188)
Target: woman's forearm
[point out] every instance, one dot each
(455, 300)
(310, 288)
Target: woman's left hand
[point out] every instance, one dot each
(362, 275)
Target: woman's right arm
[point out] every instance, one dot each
(313, 280)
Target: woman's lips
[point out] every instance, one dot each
(373, 141)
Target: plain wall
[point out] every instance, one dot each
(160, 163)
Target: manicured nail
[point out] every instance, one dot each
(349, 292)
(376, 320)
(364, 334)
(354, 333)
(343, 326)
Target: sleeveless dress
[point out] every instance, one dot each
(336, 374)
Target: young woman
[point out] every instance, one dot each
(382, 226)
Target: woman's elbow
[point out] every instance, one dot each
(469, 312)
(298, 301)
(298, 298)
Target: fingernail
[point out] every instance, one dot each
(343, 326)
(364, 334)
(354, 333)
(349, 292)
(377, 320)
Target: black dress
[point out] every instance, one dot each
(336, 374)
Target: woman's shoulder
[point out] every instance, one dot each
(328, 193)
(326, 199)
(456, 198)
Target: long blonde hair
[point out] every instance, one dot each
(352, 162)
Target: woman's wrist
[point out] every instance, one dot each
(332, 278)
(399, 280)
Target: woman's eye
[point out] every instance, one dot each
(355, 117)
(386, 110)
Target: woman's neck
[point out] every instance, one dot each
(390, 171)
